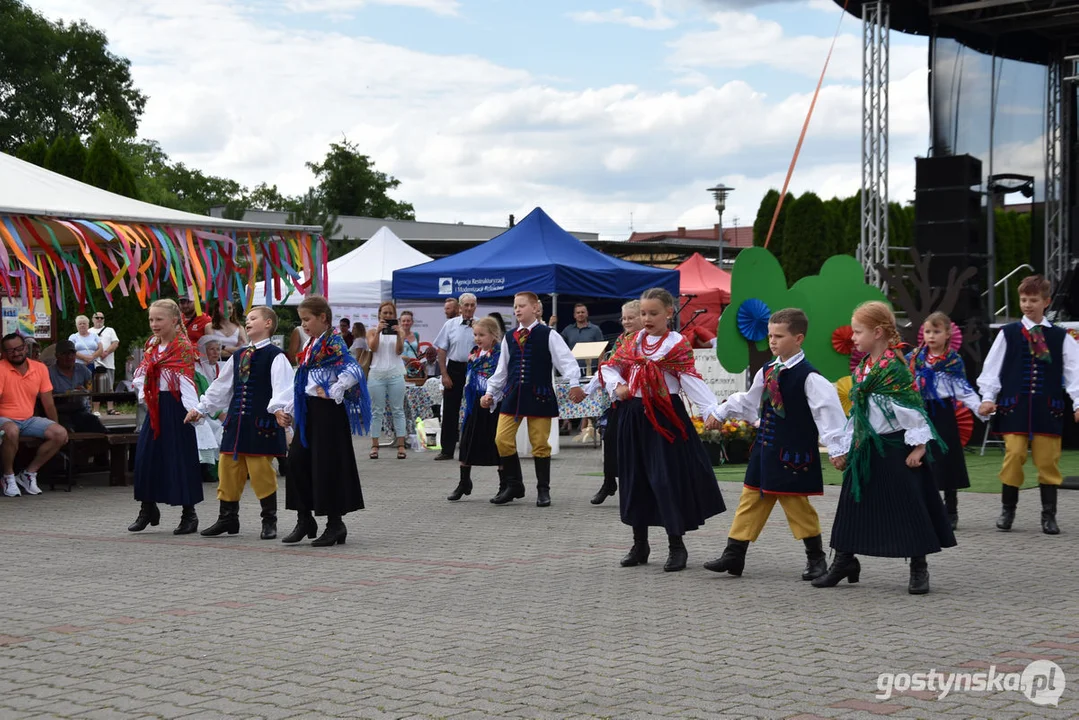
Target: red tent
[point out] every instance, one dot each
(712, 288)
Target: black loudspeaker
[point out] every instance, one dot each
(960, 237)
(948, 171)
(946, 205)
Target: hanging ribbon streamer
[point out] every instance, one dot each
(805, 128)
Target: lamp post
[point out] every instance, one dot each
(720, 192)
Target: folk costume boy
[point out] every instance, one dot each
(251, 437)
(523, 383)
(1030, 365)
(795, 404)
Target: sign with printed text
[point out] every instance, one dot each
(722, 383)
(17, 318)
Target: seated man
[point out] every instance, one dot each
(22, 383)
(68, 376)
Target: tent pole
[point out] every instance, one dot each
(554, 307)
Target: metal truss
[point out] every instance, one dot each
(1057, 257)
(873, 247)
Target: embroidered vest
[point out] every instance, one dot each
(785, 458)
(1031, 398)
(249, 429)
(529, 384)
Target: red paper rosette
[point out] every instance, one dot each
(965, 420)
(842, 340)
(954, 342)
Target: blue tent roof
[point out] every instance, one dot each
(535, 255)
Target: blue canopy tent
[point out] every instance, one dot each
(535, 255)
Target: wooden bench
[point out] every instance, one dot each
(115, 443)
(118, 456)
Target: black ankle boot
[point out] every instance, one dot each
(816, 562)
(919, 576)
(951, 506)
(148, 515)
(514, 487)
(733, 559)
(334, 534)
(1049, 509)
(543, 481)
(844, 567)
(501, 483)
(1009, 498)
(305, 527)
(269, 517)
(189, 521)
(228, 520)
(638, 554)
(677, 555)
(609, 488)
(464, 486)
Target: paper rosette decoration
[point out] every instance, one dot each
(955, 341)
(964, 419)
(855, 358)
(843, 340)
(753, 317)
(843, 386)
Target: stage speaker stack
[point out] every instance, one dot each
(949, 222)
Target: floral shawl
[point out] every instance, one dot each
(645, 375)
(925, 371)
(481, 366)
(324, 359)
(175, 362)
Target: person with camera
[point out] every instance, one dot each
(387, 376)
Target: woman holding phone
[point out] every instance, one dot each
(387, 376)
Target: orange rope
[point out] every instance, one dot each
(805, 127)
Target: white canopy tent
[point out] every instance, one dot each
(364, 277)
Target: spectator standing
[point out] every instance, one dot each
(452, 308)
(387, 377)
(109, 343)
(22, 383)
(581, 330)
(87, 344)
(227, 329)
(346, 334)
(454, 343)
(196, 325)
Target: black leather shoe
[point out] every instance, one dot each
(676, 560)
(733, 559)
(269, 517)
(919, 576)
(148, 515)
(514, 490)
(816, 561)
(443, 456)
(463, 488)
(189, 521)
(637, 555)
(1049, 509)
(306, 526)
(334, 534)
(228, 521)
(1009, 499)
(607, 490)
(844, 567)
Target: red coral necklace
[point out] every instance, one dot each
(650, 348)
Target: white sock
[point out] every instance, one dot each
(31, 474)
(10, 478)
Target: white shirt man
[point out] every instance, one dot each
(454, 342)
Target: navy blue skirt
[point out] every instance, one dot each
(949, 469)
(900, 513)
(167, 467)
(478, 438)
(666, 484)
(610, 444)
(322, 478)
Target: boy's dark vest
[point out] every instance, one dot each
(529, 389)
(785, 459)
(1031, 399)
(249, 429)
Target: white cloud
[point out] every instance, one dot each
(658, 21)
(439, 7)
(472, 140)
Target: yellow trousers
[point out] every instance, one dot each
(1045, 449)
(754, 509)
(539, 433)
(232, 476)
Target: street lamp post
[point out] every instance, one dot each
(720, 192)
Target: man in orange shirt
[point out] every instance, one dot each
(195, 325)
(22, 383)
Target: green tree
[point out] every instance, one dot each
(57, 78)
(764, 220)
(34, 152)
(67, 156)
(349, 184)
(805, 238)
(107, 170)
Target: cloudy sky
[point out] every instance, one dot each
(598, 110)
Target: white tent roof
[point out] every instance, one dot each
(365, 275)
(26, 189)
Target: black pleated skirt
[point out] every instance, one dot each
(167, 467)
(900, 513)
(949, 469)
(478, 438)
(610, 443)
(322, 478)
(666, 484)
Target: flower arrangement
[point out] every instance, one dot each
(730, 443)
(735, 430)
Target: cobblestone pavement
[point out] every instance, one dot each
(471, 610)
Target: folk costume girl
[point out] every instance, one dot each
(667, 478)
(941, 377)
(631, 324)
(480, 425)
(888, 506)
(328, 404)
(167, 455)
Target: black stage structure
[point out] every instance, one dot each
(1002, 98)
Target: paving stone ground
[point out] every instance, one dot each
(438, 610)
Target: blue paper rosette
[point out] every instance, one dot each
(753, 317)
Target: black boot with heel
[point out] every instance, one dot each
(638, 554)
(464, 485)
(269, 517)
(189, 521)
(334, 534)
(543, 481)
(1049, 509)
(306, 527)
(951, 506)
(515, 487)
(228, 520)
(733, 559)
(919, 576)
(844, 567)
(816, 561)
(609, 488)
(1009, 499)
(148, 515)
(677, 554)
